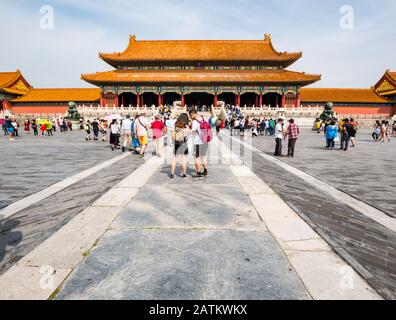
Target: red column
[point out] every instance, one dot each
(122, 100)
(215, 100)
(102, 100)
(239, 99)
(257, 101)
(117, 103)
(138, 99)
(182, 100)
(283, 103)
(277, 101)
(142, 99)
(261, 100)
(159, 99)
(298, 100)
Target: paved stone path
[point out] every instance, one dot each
(33, 163)
(187, 240)
(367, 172)
(369, 247)
(25, 230)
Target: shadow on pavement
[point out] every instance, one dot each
(8, 237)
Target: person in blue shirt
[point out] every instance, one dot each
(331, 134)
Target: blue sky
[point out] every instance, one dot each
(58, 57)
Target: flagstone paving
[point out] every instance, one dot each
(368, 246)
(31, 164)
(187, 240)
(367, 172)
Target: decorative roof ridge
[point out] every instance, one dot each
(17, 75)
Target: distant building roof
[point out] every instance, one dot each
(341, 95)
(14, 83)
(60, 95)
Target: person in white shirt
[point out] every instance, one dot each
(126, 130)
(200, 148)
(114, 134)
(170, 127)
(141, 132)
(279, 136)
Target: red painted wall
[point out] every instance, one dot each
(39, 109)
(363, 110)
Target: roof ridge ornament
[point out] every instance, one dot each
(267, 37)
(132, 37)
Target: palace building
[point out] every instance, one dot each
(247, 73)
(201, 72)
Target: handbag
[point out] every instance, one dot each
(135, 143)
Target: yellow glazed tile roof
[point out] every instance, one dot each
(340, 95)
(201, 50)
(61, 95)
(13, 83)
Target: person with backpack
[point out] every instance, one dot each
(141, 132)
(354, 128)
(95, 128)
(180, 134)
(331, 134)
(202, 134)
(346, 130)
(87, 128)
(35, 127)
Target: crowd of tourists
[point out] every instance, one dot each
(345, 131)
(382, 131)
(37, 127)
(134, 134)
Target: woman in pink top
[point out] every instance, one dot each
(158, 130)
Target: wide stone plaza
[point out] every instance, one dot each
(78, 221)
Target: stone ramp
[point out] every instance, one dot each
(187, 239)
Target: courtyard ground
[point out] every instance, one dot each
(125, 231)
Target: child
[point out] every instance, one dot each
(43, 129)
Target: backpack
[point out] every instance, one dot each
(179, 135)
(205, 132)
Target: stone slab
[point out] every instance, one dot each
(31, 283)
(189, 264)
(198, 206)
(327, 277)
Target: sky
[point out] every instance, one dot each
(349, 46)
